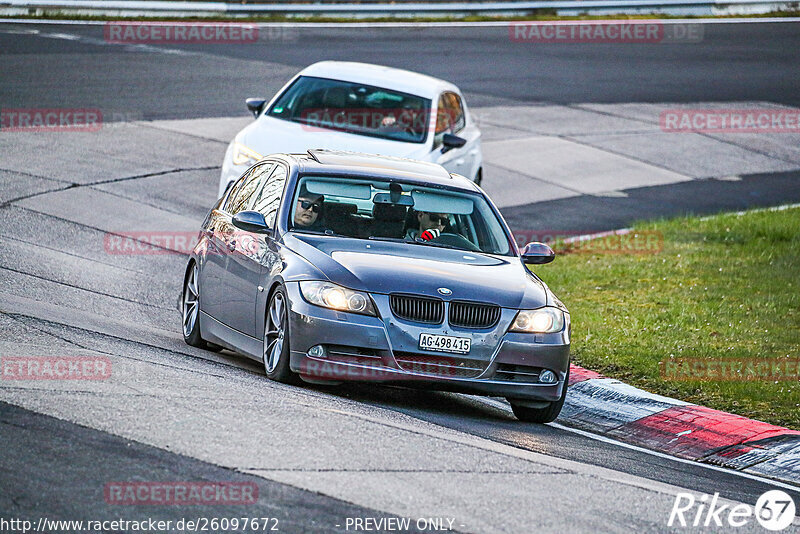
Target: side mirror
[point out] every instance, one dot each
(251, 221)
(450, 141)
(256, 105)
(537, 254)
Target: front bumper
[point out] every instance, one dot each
(385, 350)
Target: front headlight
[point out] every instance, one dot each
(244, 156)
(336, 297)
(542, 321)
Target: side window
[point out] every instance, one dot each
(449, 116)
(244, 194)
(269, 197)
(234, 189)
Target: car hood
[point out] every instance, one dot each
(268, 135)
(389, 267)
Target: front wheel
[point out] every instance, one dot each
(276, 340)
(479, 177)
(544, 414)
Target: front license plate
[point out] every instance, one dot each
(458, 345)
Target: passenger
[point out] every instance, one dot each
(431, 225)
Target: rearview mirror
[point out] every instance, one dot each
(386, 198)
(451, 141)
(255, 105)
(251, 221)
(537, 254)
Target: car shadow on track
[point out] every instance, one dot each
(421, 403)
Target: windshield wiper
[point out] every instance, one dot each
(414, 241)
(389, 239)
(420, 241)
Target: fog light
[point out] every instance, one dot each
(548, 377)
(317, 351)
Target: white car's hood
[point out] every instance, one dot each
(267, 135)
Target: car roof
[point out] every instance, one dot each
(341, 163)
(377, 75)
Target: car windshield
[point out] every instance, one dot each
(355, 108)
(396, 211)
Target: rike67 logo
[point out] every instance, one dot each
(774, 510)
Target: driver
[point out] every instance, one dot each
(307, 213)
(431, 225)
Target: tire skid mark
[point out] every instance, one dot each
(59, 282)
(19, 316)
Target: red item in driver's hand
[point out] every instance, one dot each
(427, 235)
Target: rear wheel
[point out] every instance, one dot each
(276, 340)
(540, 414)
(190, 309)
(190, 312)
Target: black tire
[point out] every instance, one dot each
(190, 309)
(276, 347)
(546, 414)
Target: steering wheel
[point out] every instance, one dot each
(456, 240)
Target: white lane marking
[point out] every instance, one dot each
(19, 32)
(454, 24)
(782, 207)
(128, 47)
(66, 36)
(679, 434)
(610, 441)
(623, 231)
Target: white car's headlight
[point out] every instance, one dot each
(542, 321)
(336, 297)
(244, 156)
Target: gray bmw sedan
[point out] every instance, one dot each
(334, 266)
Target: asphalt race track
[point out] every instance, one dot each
(322, 455)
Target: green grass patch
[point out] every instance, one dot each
(535, 15)
(722, 289)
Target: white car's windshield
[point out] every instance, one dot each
(355, 108)
(413, 213)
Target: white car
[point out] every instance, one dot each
(361, 108)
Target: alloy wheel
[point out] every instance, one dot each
(191, 299)
(274, 333)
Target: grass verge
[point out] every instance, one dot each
(722, 290)
(536, 15)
